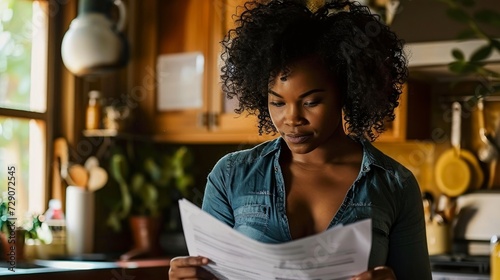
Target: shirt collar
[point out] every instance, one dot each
(371, 155)
(275, 145)
(374, 157)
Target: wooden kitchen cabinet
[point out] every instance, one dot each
(396, 130)
(413, 115)
(181, 26)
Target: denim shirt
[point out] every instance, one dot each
(246, 190)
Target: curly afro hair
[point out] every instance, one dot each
(362, 53)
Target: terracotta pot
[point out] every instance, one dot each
(6, 253)
(146, 236)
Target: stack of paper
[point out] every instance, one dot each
(338, 253)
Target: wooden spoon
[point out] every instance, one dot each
(79, 175)
(91, 162)
(98, 177)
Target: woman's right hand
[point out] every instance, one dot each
(189, 268)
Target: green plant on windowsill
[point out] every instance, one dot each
(149, 181)
(463, 12)
(32, 229)
(5, 223)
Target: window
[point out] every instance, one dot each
(23, 100)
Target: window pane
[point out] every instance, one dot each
(13, 140)
(23, 23)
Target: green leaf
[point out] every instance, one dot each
(495, 44)
(458, 54)
(462, 67)
(152, 168)
(137, 182)
(482, 53)
(149, 195)
(119, 167)
(458, 15)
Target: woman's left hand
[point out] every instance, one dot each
(377, 273)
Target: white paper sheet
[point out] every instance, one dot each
(338, 253)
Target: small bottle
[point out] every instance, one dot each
(93, 112)
(495, 258)
(56, 220)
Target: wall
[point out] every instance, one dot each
(426, 20)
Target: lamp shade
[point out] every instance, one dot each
(94, 43)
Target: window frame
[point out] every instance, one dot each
(39, 204)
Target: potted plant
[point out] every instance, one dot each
(150, 183)
(5, 226)
(13, 235)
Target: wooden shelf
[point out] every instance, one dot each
(100, 133)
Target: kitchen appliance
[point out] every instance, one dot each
(460, 267)
(476, 222)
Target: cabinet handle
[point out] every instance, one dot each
(213, 120)
(203, 119)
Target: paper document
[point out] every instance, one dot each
(338, 253)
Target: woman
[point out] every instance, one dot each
(325, 82)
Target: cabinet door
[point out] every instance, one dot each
(396, 130)
(183, 27)
(242, 128)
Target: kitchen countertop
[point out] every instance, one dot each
(69, 269)
(59, 266)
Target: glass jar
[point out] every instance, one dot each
(495, 258)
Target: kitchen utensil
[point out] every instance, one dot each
(73, 174)
(60, 162)
(495, 173)
(453, 173)
(98, 177)
(450, 209)
(56, 180)
(446, 207)
(91, 162)
(62, 150)
(428, 201)
(488, 152)
(477, 172)
(79, 175)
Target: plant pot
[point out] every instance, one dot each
(146, 237)
(11, 251)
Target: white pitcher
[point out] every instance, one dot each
(94, 43)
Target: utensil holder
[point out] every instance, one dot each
(438, 238)
(79, 220)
